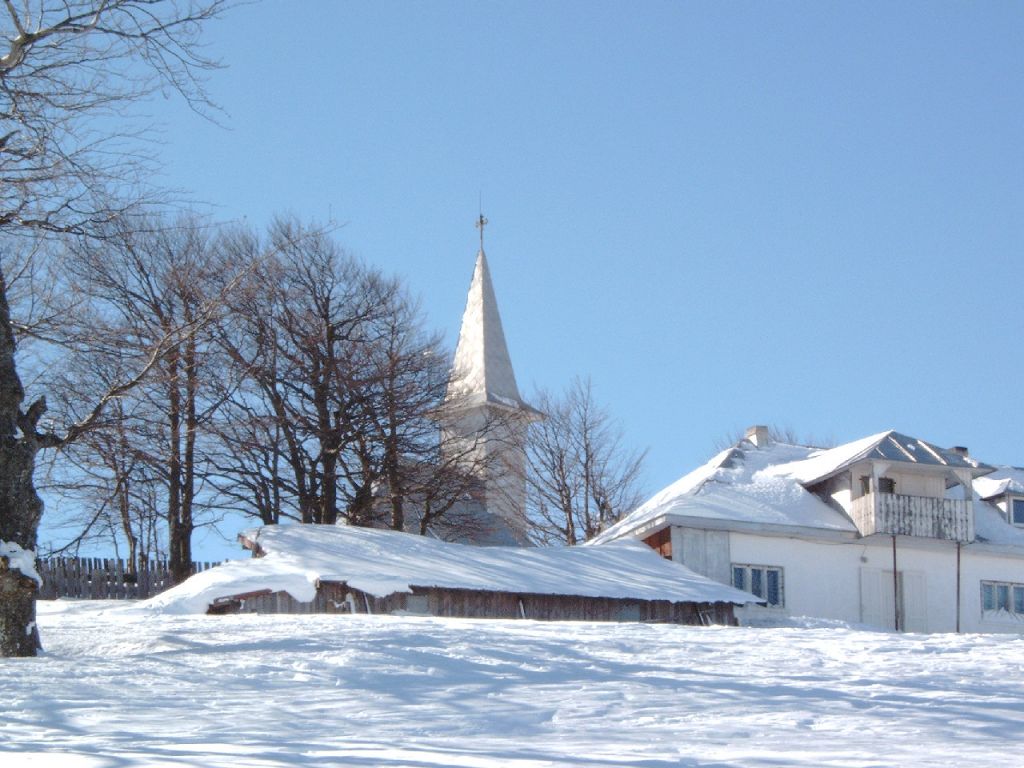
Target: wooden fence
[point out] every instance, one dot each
(99, 578)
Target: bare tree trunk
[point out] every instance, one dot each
(122, 463)
(184, 554)
(20, 505)
(125, 509)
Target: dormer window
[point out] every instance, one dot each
(1017, 511)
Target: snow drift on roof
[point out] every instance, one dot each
(1002, 481)
(990, 527)
(385, 562)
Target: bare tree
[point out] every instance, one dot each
(336, 393)
(580, 477)
(292, 334)
(144, 285)
(104, 475)
(421, 476)
(65, 62)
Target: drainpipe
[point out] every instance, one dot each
(895, 587)
(958, 587)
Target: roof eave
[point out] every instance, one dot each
(660, 522)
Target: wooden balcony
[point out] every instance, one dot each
(895, 513)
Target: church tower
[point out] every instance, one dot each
(487, 418)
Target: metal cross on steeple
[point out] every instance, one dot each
(480, 224)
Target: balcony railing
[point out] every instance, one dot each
(895, 513)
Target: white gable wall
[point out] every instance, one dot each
(703, 551)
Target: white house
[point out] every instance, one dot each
(888, 531)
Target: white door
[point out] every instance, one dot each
(914, 599)
(877, 599)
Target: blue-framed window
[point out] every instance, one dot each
(1002, 596)
(765, 581)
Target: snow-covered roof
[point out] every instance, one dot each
(890, 446)
(381, 563)
(991, 527)
(764, 489)
(739, 485)
(990, 523)
(1000, 482)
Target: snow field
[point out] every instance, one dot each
(126, 687)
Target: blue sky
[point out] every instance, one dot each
(801, 214)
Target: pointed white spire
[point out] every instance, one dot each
(483, 368)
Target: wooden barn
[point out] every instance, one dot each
(339, 569)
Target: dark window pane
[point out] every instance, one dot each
(1003, 596)
(738, 579)
(1018, 599)
(988, 597)
(755, 582)
(774, 595)
(1018, 511)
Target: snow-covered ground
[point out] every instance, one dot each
(131, 687)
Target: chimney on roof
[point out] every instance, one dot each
(758, 435)
(961, 450)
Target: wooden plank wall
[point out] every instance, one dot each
(333, 597)
(97, 578)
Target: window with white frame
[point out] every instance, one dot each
(765, 581)
(1017, 511)
(1002, 596)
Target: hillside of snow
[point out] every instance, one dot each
(127, 687)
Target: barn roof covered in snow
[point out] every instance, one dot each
(298, 557)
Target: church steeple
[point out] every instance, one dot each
(484, 425)
(482, 372)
